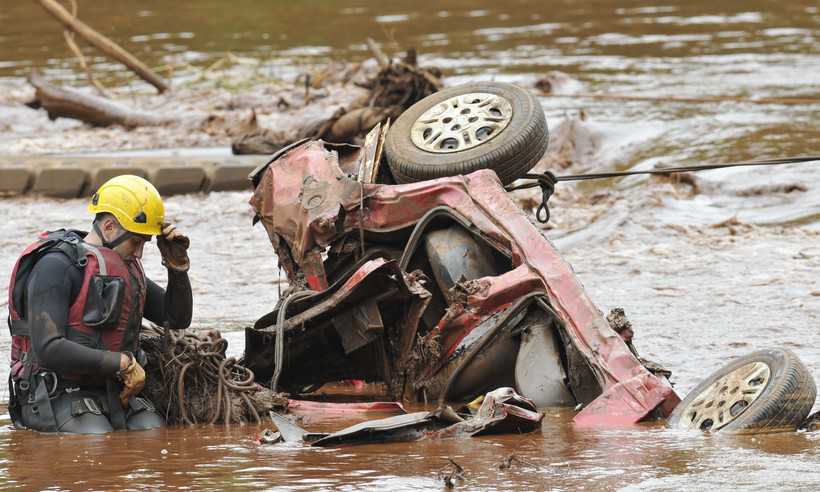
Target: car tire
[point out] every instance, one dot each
(510, 147)
(766, 391)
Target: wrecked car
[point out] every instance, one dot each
(441, 287)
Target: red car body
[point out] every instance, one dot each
(312, 202)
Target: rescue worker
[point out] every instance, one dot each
(76, 304)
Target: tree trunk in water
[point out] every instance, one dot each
(61, 102)
(103, 44)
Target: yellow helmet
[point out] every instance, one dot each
(134, 201)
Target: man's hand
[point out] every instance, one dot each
(173, 246)
(132, 377)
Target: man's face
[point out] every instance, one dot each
(129, 249)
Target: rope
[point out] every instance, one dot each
(200, 367)
(547, 180)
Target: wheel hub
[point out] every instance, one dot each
(727, 398)
(461, 122)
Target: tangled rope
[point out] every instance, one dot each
(191, 377)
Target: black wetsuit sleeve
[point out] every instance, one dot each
(171, 307)
(52, 287)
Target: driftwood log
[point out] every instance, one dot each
(381, 58)
(61, 102)
(103, 44)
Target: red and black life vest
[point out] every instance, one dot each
(106, 274)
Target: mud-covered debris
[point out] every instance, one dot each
(513, 459)
(731, 221)
(554, 82)
(503, 411)
(268, 436)
(772, 189)
(680, 178)
(732, 224)
(462, 290)
(617, 320)
(426, 352)
(623, 327)
(451, 473)
(65, 102)
(397, 86)
(812, 423)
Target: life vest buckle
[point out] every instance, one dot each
(55, 382)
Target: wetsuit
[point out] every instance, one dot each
(54, 284)
(83, 395)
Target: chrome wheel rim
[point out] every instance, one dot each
(727, 398)
(461, 123)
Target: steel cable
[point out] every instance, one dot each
(547, 180)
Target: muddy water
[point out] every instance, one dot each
(703, 276)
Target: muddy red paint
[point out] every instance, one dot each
(307, 204)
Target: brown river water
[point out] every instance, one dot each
(703, 276)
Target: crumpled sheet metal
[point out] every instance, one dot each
(309, 189)
(307, 407)
(290, 432)
(293, 206)
(502, 411)
(377, 276)
(495, 294)
(406, 427)
(400, 428)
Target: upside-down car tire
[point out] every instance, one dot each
(766, 391)
(489, 125)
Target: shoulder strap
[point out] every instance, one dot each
(87, 248)
(64, 241)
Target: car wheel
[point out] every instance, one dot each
(766, 391)
(462, 129)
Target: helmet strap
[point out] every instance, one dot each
(110, 244)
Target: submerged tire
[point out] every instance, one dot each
(489, 125)
(766, 391)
